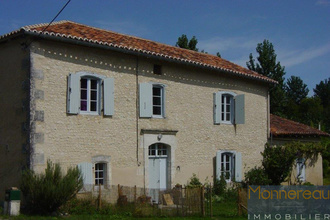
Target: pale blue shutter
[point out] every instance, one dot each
(217, 107)
(238, 167)
(218, 164)
(87, 173)
(73, 98)
(145, 90)
(108, 96)
(239, 109)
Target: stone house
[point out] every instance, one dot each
(126, 110)
(283, 131)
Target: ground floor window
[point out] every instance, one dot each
(229, 164)
(100, 173)
(301, 169)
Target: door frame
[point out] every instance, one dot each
(150, 137)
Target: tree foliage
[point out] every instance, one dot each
(278, 162)
(322, 91)
(267, 65)
(296, 89)
(46, 192)
(184, 42)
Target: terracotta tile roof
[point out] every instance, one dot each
(80, 32)
(285, 127)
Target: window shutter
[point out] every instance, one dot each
(108, 96)
(218, 164)
(87, 173)
(301, 168)
(216, 107)
(73, 98)
(145, 90)
(238, 167)
(239, 109)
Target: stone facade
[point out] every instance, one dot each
(124, 138)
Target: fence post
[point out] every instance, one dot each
(202, 201)
(182, 201)
(239, 202)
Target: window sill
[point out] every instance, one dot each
(89, 113)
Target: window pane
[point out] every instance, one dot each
(156, 101)
(101, 181)
(83, 83)
(83, 105)
(228, 117)
(156, 91)
(227, 108)
(93, 95)
(93, 84)
(83, 94)
(223, 99)
(157, 110)
(93, 106)
(228, 99)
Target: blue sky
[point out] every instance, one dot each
(299, 30)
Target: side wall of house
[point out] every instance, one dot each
(14, 105)
(314, 171)
(188, 127)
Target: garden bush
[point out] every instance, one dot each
(44, 193)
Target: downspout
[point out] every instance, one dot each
(137, 109)
(269, 135)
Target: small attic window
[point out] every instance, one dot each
(157, 69)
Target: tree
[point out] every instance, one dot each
(268, 66)
(322, 90)
(296, 89)
(311, 111)
(278, 161)
(183, 42)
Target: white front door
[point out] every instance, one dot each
(157, 170)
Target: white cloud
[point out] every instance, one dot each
(216, 44)
(295, 57)
(323, 2)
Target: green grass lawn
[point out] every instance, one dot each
(326, 181)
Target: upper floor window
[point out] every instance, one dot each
(84, 94)
(157, 101)
(89, 95)
(152, 100)
(229, 108)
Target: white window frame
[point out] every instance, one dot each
(97, 178)
(159, 149)
(235, 165)
(231, 165)
(225, 96)
(89, 90)
(162, 98)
